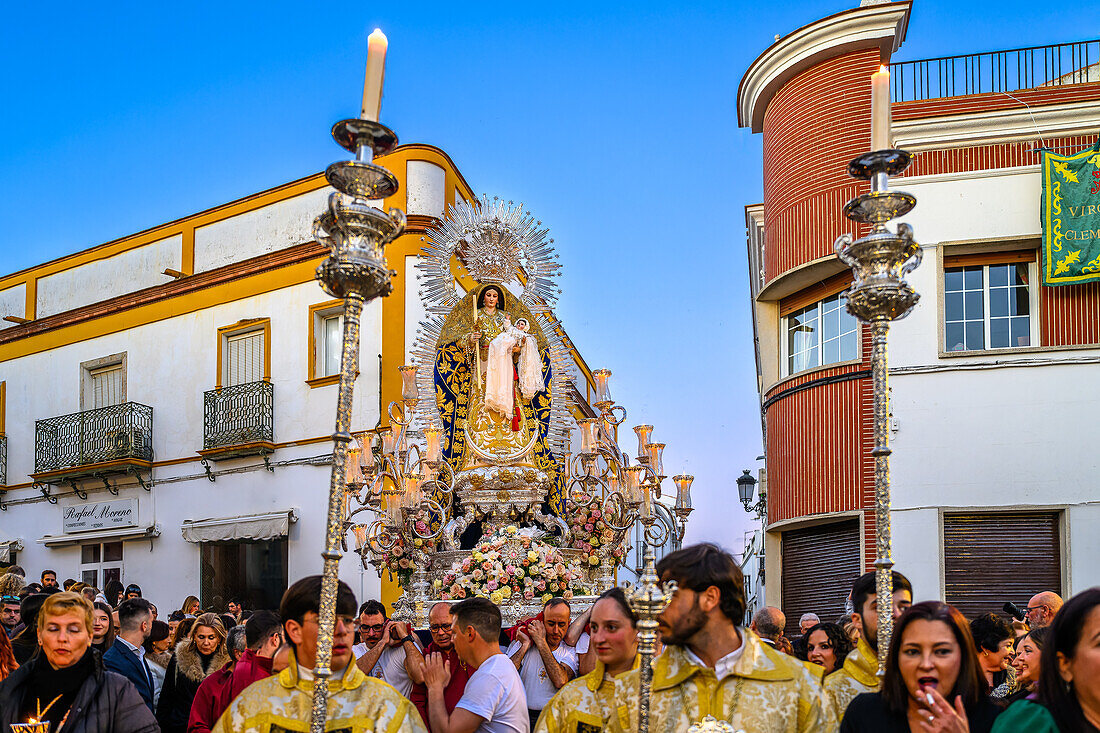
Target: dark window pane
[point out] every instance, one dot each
(998, 302)
(112, 551)
(1022, 274)
(255, 572)
(972, 278)
(849, 346)
(1021, 332)
(953, 337)
(88, 577)
(975, 336)
(110, 574)
(953, 306)
(830, 325)
(89, 553)
(1021, 306)
(998, 333)
(998, 275)
(953, 279)
(974, 307)
(830, 351)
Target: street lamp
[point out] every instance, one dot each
(746, 486)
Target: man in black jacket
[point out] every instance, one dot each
(127, 655)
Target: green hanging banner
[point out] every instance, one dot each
(1071, 217)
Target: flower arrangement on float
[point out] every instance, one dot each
(591, 533)
(513, 566)
(399, 559)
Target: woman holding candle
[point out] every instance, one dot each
(198, 656)
(66, 683)
(586, 703)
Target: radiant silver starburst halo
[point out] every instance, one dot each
(498, 242)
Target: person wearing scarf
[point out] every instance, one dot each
(66, 684)
(201, 654)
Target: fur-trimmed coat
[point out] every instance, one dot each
(181, 681)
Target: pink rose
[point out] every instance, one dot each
(466, 565)
(486, 565)
(589, 527)
(528, 595)
(596, 514)
(491, 585)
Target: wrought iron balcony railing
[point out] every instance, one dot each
(3, 460)
(239, 415)
(999, 71)
(116, 433)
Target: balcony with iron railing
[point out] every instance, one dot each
(3, 460)
(239, 420)
(1034, 67)
(99, 442)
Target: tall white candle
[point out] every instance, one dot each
(376, 73)
(880, 109)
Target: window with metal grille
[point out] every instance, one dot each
(244, 358)
(254, 571)
(993, 557)
(819, 565)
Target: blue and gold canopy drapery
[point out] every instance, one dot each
(452, 388)
(1071, 217)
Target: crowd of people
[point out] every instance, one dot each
(88, 661)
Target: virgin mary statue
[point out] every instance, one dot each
(492, 380)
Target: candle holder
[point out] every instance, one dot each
(648, 599)
(878, 295)
(356, 234)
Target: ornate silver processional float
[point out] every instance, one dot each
(473, 487)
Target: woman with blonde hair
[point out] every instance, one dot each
(191, 606)
(201, 654)
(66, 684)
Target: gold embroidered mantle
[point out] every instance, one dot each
(768, 692)
(858, 675)
(582, 705)
(356, 703)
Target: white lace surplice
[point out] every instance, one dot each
(498, 370)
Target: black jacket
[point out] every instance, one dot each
(106, 703)
(868, 714)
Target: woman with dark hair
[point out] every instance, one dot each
(1027, 664)
(157, 656)
(103, 627)
(933, 681)
(200, 655)
(183, 631)
(827, 645)
(1068, 699)
(587, 703)
(993, 639)
(113, 592)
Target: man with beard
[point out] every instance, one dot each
(440, 620)
(712, 667)
(389, 651)
(9, 614)
(544, 663)
(860, 671)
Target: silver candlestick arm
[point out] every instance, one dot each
(878, 295)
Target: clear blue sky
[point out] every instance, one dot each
(614, 123)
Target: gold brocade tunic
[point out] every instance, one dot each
(768, 692)
(858, 675)
(582, 705)
(356, 704)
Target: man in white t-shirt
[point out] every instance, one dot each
(493, 701)
(544, 663)
(388, 651)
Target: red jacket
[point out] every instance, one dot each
(452, 693)
(206, 708)
(250, 668)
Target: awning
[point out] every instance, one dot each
(8, 548)
(107, 535)
(244, 527)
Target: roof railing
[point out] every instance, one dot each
(998, 71)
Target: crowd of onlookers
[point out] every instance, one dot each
(89, 660)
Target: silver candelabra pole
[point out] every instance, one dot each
(356, 234)
(878, 295)
(648, 599)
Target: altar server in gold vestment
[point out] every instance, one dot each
(712, 667)
(860, 671)
(585, 704)
(356, 703)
